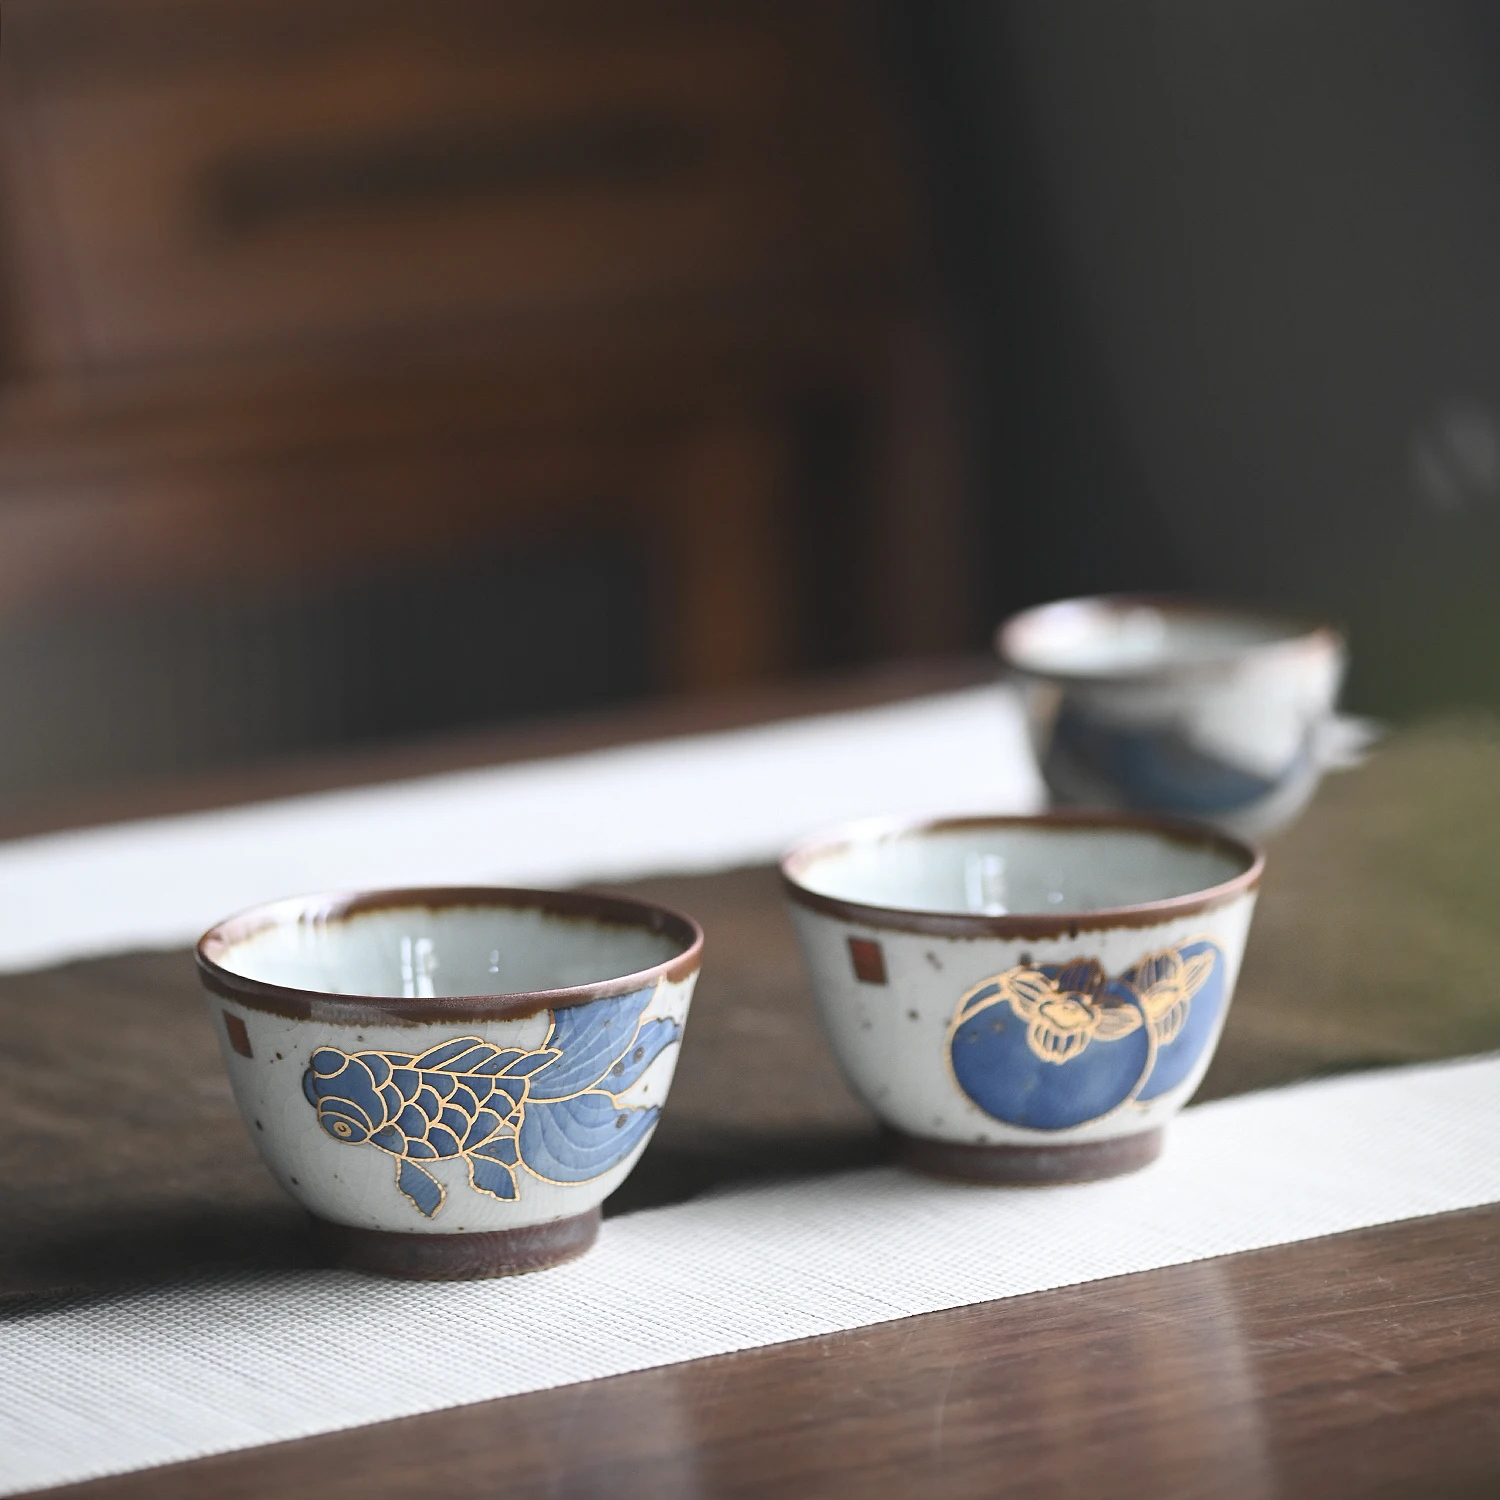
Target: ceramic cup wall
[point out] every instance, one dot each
(1024, 999)
(451, 1080)
(1186, 709)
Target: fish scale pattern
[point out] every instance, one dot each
(554, 1111)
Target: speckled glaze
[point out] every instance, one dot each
(432, 1065)
(1186, 709)
(1024, 999)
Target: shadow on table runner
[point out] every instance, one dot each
(1373, 946)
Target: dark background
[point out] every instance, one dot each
(375, 370)
(1227, 277)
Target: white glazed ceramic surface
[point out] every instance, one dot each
(1070, 985)
(343, 1152)
(1178, 708)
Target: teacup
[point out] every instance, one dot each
(451, 1080)
(1193, 710)
(1024, 999)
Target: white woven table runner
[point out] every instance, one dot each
(96, 1386)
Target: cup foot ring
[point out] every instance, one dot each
(1077, 1161)
(458, 1257)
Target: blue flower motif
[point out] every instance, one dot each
(554, 1111)
(1051, 1046)
(1183, 995)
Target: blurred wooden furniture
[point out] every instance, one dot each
(299, 287)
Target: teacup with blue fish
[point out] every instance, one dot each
(452, 1080)
(1189, 709)
(1024, 999)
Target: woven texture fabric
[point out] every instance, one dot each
(92, 1386)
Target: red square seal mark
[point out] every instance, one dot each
(868, 960)
(239, 1038)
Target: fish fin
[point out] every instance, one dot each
(592, 1038)
(499, 1062)
(653, 1038)
(467, 1061)
(529, 1062)
(421, 1187)
(492, 1177)
(578, 1139)
(435, 1057)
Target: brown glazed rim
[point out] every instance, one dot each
(594, 907)
(1301, 633)
(1032, 926)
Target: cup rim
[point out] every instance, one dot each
(1031, 926)
(1300, 633)
(299, 1003)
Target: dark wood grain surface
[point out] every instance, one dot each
(1362, 1365)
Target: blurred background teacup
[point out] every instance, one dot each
(1182, 707)
(1024, 999)
(451, 1080)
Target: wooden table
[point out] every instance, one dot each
(1366, 1364)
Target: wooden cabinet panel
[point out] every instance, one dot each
(308, 292)
(197, 180)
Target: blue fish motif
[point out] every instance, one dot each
(554, 1111)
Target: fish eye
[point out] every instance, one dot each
(341, 1127)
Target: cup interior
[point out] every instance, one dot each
(512, 943)
(1128, 637)
(1001, 868)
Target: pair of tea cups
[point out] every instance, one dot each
(453, 1080)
